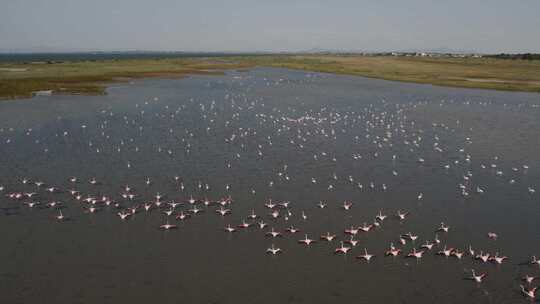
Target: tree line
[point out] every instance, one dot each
(525, 56)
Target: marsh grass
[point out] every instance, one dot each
(516, 75)
(91, 77)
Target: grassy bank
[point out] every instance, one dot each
(90, 77)
(516, 75)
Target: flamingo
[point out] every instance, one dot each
(475, 277)
(32, 204)
(529, 279)
(292, 229)
(443, 227)
(410, 236)
(366, 228)
(182, 216)
(252, 215)
(284, 205)
(54, 204)
(498, 259)
(147, 206)
(380, 216)
(270, 205)
(401, 215)
(402, 240)
(92, 209)
(52, 189)
(415, 254)
(529, 293)
(244, 225)
(321, 205)
(167, 226)
(458, 254)
(307, 241)
(273, 233)
(262, 224)
(229, 228)
(61, 217)
(30, 194)
(123, 215)
(393, 251)
(446, 251)
(328, 237)
(427, 245)
(492, 235)
(39, 183)
(483, 257)
(471, 251)
(273, 250)
(174, 204)
(207, 202)
(351, 231)
(366, 256)
(222, 211)
(342, 249)
(195, 210)
(352, 241)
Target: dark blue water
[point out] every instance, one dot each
(260, 135)
(93, 56)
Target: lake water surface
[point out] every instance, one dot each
(269, 134)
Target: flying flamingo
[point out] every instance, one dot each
(273, 250)
(342, 249)
(475, 277)
(366, 256)
(529, 293)
(307, 241)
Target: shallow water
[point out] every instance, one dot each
(211, 129)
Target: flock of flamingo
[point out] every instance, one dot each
(381, 126)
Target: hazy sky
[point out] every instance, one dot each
(271, 25)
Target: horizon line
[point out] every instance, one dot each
(7, 51)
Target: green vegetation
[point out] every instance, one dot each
(486, 73)
(526, 56)
(90, 77)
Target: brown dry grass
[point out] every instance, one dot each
(90, 77)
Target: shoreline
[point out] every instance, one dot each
(20, 80)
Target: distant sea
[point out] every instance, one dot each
(84, 56)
